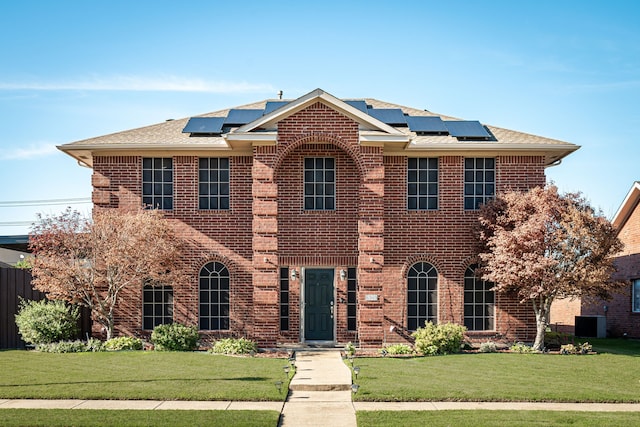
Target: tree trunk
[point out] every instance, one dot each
(542, 309)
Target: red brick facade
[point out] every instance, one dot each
(370, 230)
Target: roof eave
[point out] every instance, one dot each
(627, 207)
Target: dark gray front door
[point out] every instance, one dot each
(318, 304)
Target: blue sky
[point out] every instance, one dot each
(71, 70)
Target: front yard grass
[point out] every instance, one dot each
(495, 418)
(140, 375)
(501, 377)
(116, 418)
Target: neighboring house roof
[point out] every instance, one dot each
(627, 207)
(17, 242)
(169, 135)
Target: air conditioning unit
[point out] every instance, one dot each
(591, 326)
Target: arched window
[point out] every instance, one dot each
(479, 302)
(214, 297)
(422, 295)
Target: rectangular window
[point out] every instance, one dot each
(422, 184)
(479, 303)
(635, 296)
(213, 183)
(157, 182)
(284, 299)
(157, 306)
(352, 299)
(479, 181)
(319, 183)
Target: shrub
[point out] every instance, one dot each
(41, 322)
(439, 339)
(234, 346)
(521, 347)
(123, 343)
(175, 337)
(63, 347)
(488, 347)
(397, 349)
(95, 345)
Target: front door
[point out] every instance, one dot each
(318, 304)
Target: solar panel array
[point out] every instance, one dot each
(422, 125)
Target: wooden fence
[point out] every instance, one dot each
(16, 283)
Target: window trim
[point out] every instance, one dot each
(635, 296)
(483, 198)
(167, 306)
(419, 183)
(153, 182)
(325, 184)
(470, 273)
(224, 321)
(217, 184)
(431, 272)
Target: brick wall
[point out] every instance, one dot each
(370, 229)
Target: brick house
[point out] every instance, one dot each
(622, 311)
(320, 220)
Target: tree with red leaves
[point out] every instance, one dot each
(543, 245)
(89, 262)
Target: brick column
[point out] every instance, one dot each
(371, 250)
(265, 249)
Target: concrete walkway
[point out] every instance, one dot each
(320, 392)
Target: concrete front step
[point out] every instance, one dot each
(320, 387)
(320, 371)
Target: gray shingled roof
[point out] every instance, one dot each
(169, 134)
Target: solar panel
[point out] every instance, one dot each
(467, 129)
(390, 116)
(242, 117)
(204, 125)
(426, 124)
(273, 105)
(358, 103)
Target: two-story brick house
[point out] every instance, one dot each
(320, 220)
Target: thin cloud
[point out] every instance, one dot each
(26, 153)
(142, 84)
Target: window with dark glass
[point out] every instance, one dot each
(479, 181)
(157, 306)
(214, 297)
(319, 183)
(213, 183)
(422, 295)
(479, 302)
(157, 182)
(352, 299)
(635, 296)
(284, 299)
(422, 183)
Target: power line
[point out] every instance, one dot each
(45, 202)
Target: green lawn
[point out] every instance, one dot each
(604, 377)
(91, 417)
(139, 375)
(495, 418)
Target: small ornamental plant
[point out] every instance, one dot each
(488, 347)
(123, 343)
(396, 349)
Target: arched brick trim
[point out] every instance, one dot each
(319, 137)
(197, 265)
(467, 262)
(420, 258)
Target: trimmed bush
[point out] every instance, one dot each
(175, 337)
(393, 349)
(439, 339)
(41, 322)
(63, 347)
(234, 346)
(123, 343)
(95, 345)
(521, 347)
(488, 347)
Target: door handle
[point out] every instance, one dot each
(331, 309)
